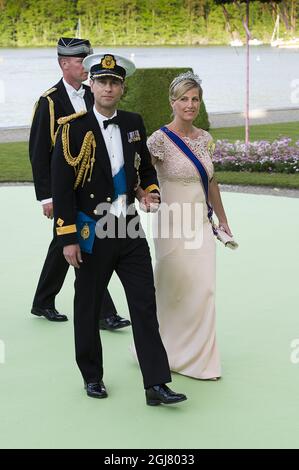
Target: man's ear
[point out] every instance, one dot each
(91, 85)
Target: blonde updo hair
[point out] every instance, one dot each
(183, 83)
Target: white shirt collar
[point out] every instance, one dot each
(69, 88)
(100, 117)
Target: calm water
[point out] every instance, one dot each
(27, 73)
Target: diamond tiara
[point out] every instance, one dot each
(186, 76)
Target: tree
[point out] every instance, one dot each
(245, 22)
(138, 22)
(147, 93)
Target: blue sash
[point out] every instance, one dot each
(85, 231)
(199, 166)
(120, 183)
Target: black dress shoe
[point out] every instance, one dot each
(115, 322)
(162, 394)
(96, 389)
(50, 314)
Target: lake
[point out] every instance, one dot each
(27, 73)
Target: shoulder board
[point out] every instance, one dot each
(48, 92)
(66, 119)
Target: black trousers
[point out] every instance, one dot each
(52, 278)
(131, 260)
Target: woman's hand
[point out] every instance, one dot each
(224, 226)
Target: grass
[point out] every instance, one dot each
(260, 132)
(14, 162)
(246, 178)
(15, 165)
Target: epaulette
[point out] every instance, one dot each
(66, 119)
(48, 92)
(51, 110)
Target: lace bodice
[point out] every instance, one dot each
(171, 164)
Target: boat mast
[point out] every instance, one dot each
(275, 30)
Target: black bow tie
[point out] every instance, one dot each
(114, 120)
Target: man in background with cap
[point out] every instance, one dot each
(107, 148)
(67, 97)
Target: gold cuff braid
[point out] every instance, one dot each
(84, 162)
(152, 187)
(66, 230)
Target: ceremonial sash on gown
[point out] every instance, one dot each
(185, 149)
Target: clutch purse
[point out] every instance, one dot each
(226, 239)
(86, 232)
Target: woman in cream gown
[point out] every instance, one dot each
(185, 274)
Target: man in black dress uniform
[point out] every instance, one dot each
(100, 160)
(67, 97)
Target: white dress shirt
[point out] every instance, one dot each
(76, 96)
(77, 100)
(112, 138)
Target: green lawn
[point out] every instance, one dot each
(15, 165)
(14, 162)
(261, 132)
(276, 180)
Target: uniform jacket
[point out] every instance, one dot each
(54, 102)
(100, 189)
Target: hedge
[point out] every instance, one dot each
(147, 93)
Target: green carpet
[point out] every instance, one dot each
(255, 405)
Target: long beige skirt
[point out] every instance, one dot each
(185, 281)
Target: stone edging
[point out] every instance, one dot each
(217, 119)
(263, 190)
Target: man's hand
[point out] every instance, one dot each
(72, 254)
(140, 193)
(48, 210)
(149, 202)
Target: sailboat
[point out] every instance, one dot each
(251, 42)
(290, 44)
(255, 42)
(276, 41)
(236, 43)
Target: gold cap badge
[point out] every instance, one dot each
(108, 62)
